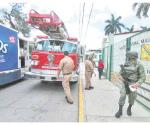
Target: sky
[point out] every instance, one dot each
(71, 11)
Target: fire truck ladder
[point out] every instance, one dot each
(50, 24)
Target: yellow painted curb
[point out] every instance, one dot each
(81, 102)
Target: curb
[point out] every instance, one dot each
(81, 103)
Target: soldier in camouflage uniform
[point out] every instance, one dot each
(135, 76)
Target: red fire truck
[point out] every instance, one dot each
(48, 52)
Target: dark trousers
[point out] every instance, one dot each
(100, 71)
(22, 62)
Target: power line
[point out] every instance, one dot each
(79, 20)
(82, 20)
(88, 21)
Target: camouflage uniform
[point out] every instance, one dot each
(135, 73)
(66, 65)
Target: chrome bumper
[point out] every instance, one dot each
(47, 77)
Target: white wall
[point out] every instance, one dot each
(137, 43)
(120, 37)
(119, 52)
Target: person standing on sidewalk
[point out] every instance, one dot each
(100, 68)
(133, 75)
(66, 65)
(91, 57)
(89, 69)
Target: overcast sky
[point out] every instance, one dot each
(70, 12)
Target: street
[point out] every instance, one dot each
(34, 101)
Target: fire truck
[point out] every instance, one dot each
(49, 51)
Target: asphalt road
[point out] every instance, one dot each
(34, 101)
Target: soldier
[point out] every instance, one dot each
(132, 74)
(66, 65)
(89, 69)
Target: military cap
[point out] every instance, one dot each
(132, 54)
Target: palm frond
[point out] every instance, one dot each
(134, 5)
(119, 29)
(118, 18)
(139, 10)
(146, 9)
(122, 25)
(107, 27)
(107, 21)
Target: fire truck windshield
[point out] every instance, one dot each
(69, 47)
(55, 46)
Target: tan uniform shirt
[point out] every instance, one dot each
(89, 66)
(66, 65)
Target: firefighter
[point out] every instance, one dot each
(66, 65)
(89, 69)
(133, 74)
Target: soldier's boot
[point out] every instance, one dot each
(119, 113)
(129, 113)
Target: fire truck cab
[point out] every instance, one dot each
(48, 52)
(46, 56)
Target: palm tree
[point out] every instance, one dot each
(144, 28)
(113, 25)
(142, 9)
(130, 29)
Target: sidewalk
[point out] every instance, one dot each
(101, 104)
